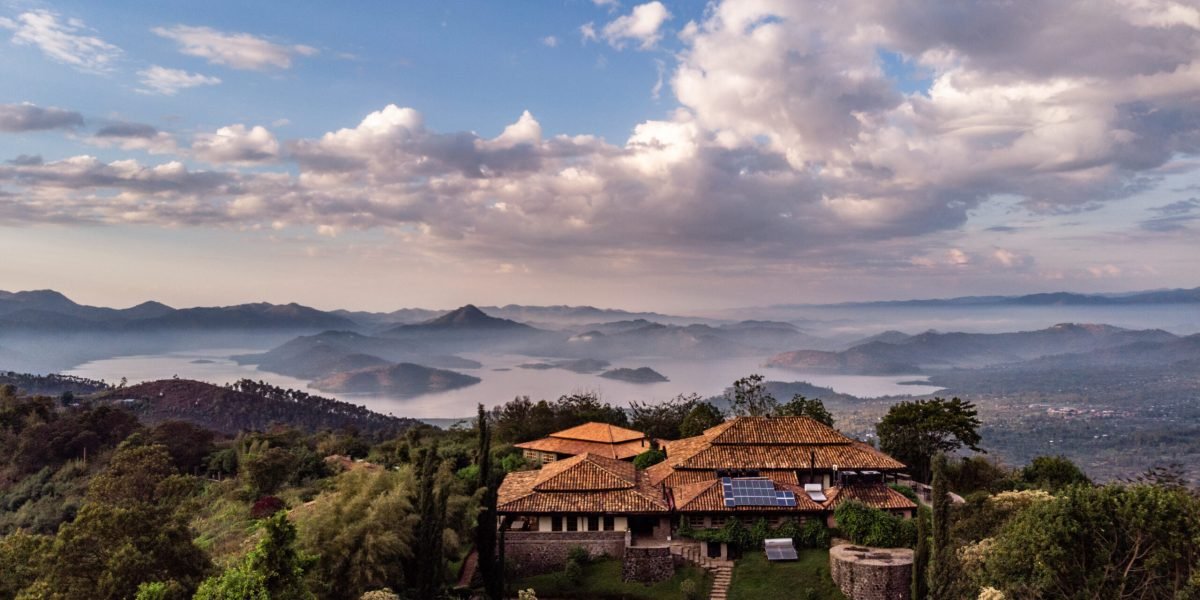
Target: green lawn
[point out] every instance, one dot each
(602, 581)
(756, 578)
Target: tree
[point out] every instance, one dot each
(914, 432)
(128, 533)
(1116, 541)
(702, 416)
(942, 571)
(799, 406)
(431, 511)
(920, 575)
(1052, 473)
(485, 528)
(363, 534)
(662, 420)
(750, 397)
(649, 458)
(21, 556)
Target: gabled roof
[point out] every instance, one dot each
(774, 431)
(875, 496)
(765, 443)
(586, 472)
(599, 432)
(585, 483)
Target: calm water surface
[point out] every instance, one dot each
(708, 377)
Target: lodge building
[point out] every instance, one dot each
(747, 467)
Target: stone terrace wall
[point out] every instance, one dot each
(534, 552)
(648, 565)
(872, 573)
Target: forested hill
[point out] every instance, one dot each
(51, 385)
(250, 406)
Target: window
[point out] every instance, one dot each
(555, 523)
(718, 521)
(593, 523)
(609, 523)
(695, 522)
(572, 524)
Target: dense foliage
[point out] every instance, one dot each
(868, 526)
(914, 432)
(811, 534)
(522, 419)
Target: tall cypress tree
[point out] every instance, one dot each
(485, 530)
(431, 506)
(941, 572)
(920, 576)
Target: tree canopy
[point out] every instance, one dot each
(915, 431)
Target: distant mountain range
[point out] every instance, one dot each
(928, 351)
(1176, 296)
(50, 311)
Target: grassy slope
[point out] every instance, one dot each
(602, 581)
(755, 578)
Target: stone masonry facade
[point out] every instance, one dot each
(872, 573)
(648, 565)
(535, 552)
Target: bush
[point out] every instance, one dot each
(384, 594)
(649, 458)
(573, 572)
(872, 527)
(579, 554)
(906, 491)
(266, 506)
(689, 589)
(814, 534)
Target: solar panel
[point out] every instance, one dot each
(755, 492)
(780, 549)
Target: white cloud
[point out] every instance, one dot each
(65, 41)
(236, 144)
(587, 31)
(232, 49)
(168, 82)
(133, 136)
(550, 41)
(642, 25)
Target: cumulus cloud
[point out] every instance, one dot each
(30, 117)
(643, 26)
(236, 144)
(63, 40)
(790, 140)
(550, 41)
(232, 49)
(168, 82)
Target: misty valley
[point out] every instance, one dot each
(1115, 392)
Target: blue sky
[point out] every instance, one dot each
(675, 155)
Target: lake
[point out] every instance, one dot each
(705, 377)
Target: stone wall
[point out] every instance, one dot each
(648, 565)
(872, 573)
(534, 552)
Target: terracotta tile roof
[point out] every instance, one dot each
(599, 432)
(574, 447)
(586, 483)
(586, 472)
(875, 496)
(664, 473)
(844, 456)
(706, 496)
(773, 431)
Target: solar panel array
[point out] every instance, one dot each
(755, 492)
(781, 549)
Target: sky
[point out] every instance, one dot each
(674, 155)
